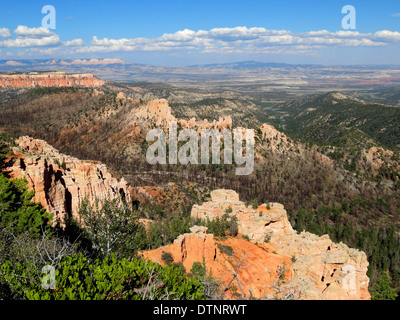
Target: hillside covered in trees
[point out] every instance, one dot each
(340, 187)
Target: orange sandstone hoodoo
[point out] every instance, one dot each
(303, 266)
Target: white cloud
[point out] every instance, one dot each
(227, 38)
(387, 35)
(5, 33)
(340, 33)
(30, 37)
(74, 42)
(24, 31)
(31, 42)
(239, 39)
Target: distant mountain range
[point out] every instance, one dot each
(244, 65)
(219, 74)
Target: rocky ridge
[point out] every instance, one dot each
(158, 113)
(318, 268)
(261, 266)
(314, 267)
(51, 79)
(61, 182)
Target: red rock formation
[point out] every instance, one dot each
(159, 113)
(322, 269)
(52, 79)
(255, 223)
(260, 265)
(61, 182)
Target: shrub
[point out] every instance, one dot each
(112, 227)
(198, 269)
(254, 204)
(225, 249)
(167, 258)
(180, 265)
(233, 227)
(79, 278)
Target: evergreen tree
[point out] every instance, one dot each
(3, 154)
(111, 227)
(18, 212)
(233, 226)
(382, 289)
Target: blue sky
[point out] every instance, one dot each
(190, 32)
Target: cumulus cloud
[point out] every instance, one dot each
(74, 42)
(24, 31)
(387, 35)
(29, 37)
(5, 33)
(226, 39)
(239, 39)
(31, 42)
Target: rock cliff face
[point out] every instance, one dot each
(152, 114)
(261, 265)
(314, 267)
(61, 182)
(257, 224)
(159, 113)
(52, 79)
(324, 269)
(318, 267)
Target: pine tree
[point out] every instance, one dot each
(3, 155)
(18, 212)
(382, 289)
(111, 226)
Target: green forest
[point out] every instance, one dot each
(93, 264)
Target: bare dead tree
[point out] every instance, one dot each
(51, 251)
(284, 291)
(45, 250)
(211, 287)
(36, 253)
(238, 264)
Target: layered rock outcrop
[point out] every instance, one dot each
(158, 113)
(324, 269)
(260, 266)
(61, 182)
(256, 223)
(51, 79)
(319, 268)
